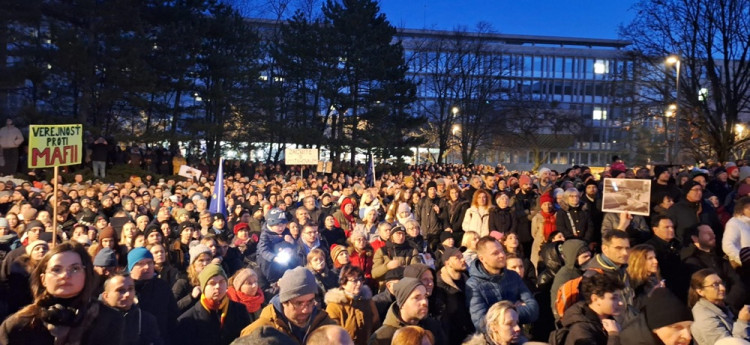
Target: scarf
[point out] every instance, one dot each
(251, 303)
(212, 306)
(549, 223)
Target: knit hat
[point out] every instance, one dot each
(241, 277)
(357, 234)
(105, 258)
(663, 309)
(546, 197)
(720, 170)
(180, 212)
(30, 247)
(336, 249)
(209, 272)
(190, 225)
(28, 214)
(688, 186)
(731, 169)
(107, 232)
(398, 228)
(404, 288)
(275, 217)
(151, 228)
(403, 207)
(445, 235)
(524, 179)
(100, 216)
(295, 283)
(659, 169)
(744, 190)
(239, 226)
(542, 171)
(34, 224)
(431, 184)
(197, 250)
(394, 274)
(744, 172)
(416, 270)
(138, 254)
(591, 182)
(449, 253)
(496, 235)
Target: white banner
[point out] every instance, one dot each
(191, 173)
(301, 156)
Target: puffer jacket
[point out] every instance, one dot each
(712, 323)
(356, 315)
(393, 322)
(269, 245)
(483, 290)
(569, 271)
(477, 220)
(273, 317)
(551, 263)
(585, 327)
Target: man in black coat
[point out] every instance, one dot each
(139, 327)
(450, 297)
(154, 295)
(683, 213)
(667, 250)
(590, 321)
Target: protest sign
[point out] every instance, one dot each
(301, 156)
(55, 145)
(627, 195)
(189, 172)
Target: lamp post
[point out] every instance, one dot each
(668, 114)
(674, 60)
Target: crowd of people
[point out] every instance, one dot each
(441, 254)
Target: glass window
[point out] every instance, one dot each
(601, 66)
(599, 113)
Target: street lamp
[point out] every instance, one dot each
(454, 110)
(739, 128)
(674, 60)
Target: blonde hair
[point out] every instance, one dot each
(496, 316)
(468, 237)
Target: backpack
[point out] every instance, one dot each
(558, 336)
(568, 293)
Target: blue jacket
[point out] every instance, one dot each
(483, 290)
(269, 245)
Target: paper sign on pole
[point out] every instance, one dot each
(189, 172)
(325, 167)
(301, 156)
(55, 145)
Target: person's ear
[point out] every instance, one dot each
(41, 280)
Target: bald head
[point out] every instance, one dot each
(329, 334)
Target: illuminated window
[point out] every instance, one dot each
(601, 67)
(599, 113)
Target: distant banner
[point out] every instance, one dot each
(325, 167)
(301, 156)
(189, 172)
(55, 145)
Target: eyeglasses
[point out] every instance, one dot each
(59, 271)
(715, 285)
(299, 305)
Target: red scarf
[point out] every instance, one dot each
(221, 307)
(549, 223)
(252, 303)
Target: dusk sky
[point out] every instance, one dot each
(571, 18)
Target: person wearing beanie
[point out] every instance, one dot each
(450, 297)
(105, 262)
(187, 290)
(411, 308)
(154, 294)
(664, 319)
(293, 311)
(719, 185)
(423, 273)
(216, 319)
(543, 223)
(179, 250)
(397, 252)
(590, 321)
(489, 282)
(243, 288)
(429, 213)
(683, 213)
(385, 298)
(276, 247)
(339, 257)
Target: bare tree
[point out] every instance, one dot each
(710, 37)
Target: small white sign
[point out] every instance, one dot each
(189, 172)
(301, 156)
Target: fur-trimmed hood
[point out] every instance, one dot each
(338, 295)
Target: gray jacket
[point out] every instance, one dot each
(713, 323)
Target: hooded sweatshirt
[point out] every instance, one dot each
(571, 270)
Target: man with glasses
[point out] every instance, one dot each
(293, 311)
(683, 212)
(310, 239)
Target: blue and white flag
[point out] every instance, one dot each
(370, 177)
(218, 200)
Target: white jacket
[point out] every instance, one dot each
(736, 237)
(477, 220)
(10, 137)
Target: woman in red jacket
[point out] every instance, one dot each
(360, 256)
